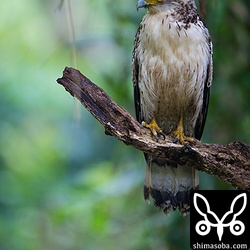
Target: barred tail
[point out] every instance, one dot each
(169, 184)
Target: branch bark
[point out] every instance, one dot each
(230, 163)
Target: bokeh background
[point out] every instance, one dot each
(64, 184)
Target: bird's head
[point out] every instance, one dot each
(147, 3)
(159, 3)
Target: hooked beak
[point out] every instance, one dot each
(141, 4)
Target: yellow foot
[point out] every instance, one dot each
(155, 129)
(179, 135)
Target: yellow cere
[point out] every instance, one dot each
(153, 2)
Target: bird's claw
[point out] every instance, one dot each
(155, 129)
(180, 137)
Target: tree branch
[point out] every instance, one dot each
(230, 163)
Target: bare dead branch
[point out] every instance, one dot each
(230, 163)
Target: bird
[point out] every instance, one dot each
(172, 71)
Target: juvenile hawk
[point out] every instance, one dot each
(172, 75)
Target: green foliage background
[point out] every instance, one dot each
(63, 183)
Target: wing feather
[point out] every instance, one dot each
(135, 74)
(200, 123)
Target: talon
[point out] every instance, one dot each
(175, 140)
(155, 129)
(163, 135)
(187, 147)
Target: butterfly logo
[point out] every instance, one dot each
(210, 219)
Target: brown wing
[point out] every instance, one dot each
(135, 74)
(200, 123)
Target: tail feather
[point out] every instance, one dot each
(169, 185)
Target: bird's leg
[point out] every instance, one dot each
(179, 133)
(155, 129)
